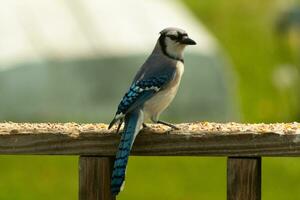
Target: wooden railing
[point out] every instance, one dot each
(243, 144)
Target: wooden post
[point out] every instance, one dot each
(244, 178)
(94, 178)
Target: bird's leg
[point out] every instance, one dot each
(145, 126)
(119, 126)
(168, 124)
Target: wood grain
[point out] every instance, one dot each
(199, 139)
(94, 178)
(244, 178)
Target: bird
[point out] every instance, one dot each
(150, 93)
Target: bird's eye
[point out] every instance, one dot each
(172, 37)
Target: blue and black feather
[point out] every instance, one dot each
(138, 93)
(130, 111)
(132, 122)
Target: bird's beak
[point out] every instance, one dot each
(188, 41)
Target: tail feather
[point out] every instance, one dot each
(112, 123)
(133, 122)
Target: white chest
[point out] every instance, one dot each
(180, 69)
(158, 103)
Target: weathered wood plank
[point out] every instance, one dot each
(244, 178)
(94, 178)
(203, 139)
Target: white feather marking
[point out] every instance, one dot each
(136, 88)
(160, 101)
(152, 88)
(174, 48)
(122, 186)
(120, 115)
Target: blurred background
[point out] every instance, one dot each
(64, 61)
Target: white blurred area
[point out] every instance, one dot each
(72, 60)
(33, 30)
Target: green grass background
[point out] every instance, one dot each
(245, 29)
(176, 178)
(247, 32)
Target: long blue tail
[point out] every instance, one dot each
(133, 122)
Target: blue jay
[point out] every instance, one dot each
(152, 90)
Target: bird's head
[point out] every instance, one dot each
(173, 41)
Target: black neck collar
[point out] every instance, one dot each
(164, 48)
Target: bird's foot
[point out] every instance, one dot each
(145, 126)
(168, 124)
(118, 128)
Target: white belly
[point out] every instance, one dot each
(158, 103)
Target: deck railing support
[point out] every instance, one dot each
(243, 144)
(244, 178)
(94, 178)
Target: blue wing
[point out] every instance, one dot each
(138, 94)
